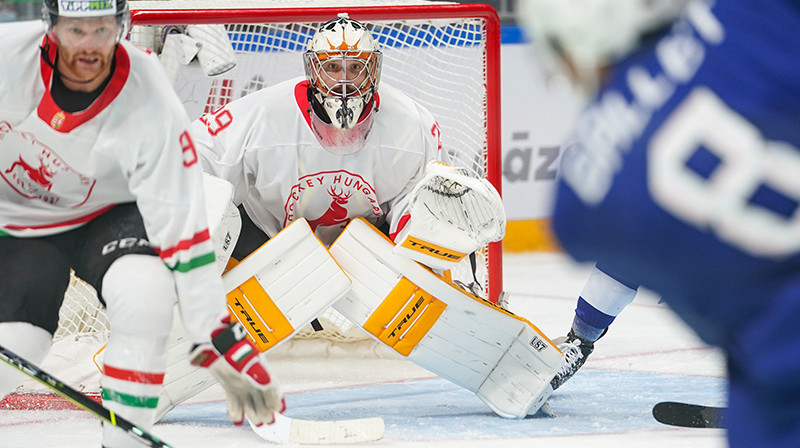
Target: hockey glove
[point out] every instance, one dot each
(243, 373)
(453, 213)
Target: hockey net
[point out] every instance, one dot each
(444, 55)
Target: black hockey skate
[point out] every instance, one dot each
(575, 350)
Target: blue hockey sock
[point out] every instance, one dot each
(589, 322)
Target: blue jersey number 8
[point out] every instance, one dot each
(737, 165)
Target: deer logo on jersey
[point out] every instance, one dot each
(329, 200)
(336, 212)
(39, 175)
(35, 171)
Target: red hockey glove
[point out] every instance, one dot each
(243, 373)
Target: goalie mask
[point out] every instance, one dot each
(343, 67)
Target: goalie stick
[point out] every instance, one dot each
(80, 399)
(317, 432)
(689, 415)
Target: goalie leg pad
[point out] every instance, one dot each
(504, 359)
(274, 292)
(182, 379)
(283, 285)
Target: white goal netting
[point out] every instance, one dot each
(443, 55)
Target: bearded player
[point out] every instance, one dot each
(94, 181)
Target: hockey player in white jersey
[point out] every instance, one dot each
(332, 151)
(101, 175)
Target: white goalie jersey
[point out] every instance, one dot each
(264, 145)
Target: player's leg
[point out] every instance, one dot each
(139, 293)
(33, 278)
(603, 297)
(275, 291)
(184, 380)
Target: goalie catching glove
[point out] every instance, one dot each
(243, 373)
(452, 215)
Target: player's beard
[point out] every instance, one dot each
(84, 70)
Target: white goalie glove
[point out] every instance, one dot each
(452, 215)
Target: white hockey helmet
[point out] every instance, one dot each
(343, 68)
(577, 38)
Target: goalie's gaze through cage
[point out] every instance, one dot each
(445, 56)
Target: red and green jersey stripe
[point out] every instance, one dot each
(136, 401)
(173, 256)
(137, 384)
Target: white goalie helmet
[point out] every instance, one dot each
(343, 68)
(577, 38)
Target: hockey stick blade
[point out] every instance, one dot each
(689, 415)
(314, 432)
(79, 399)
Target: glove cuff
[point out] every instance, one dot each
(203, 356)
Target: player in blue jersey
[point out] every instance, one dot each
(683, 175)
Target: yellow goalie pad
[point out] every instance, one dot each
(501, 357)
(283, 285)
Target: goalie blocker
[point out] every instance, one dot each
(504, 359)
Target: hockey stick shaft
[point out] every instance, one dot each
(79, 399)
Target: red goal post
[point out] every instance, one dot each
(446, 56)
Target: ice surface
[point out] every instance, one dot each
(647, 357)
